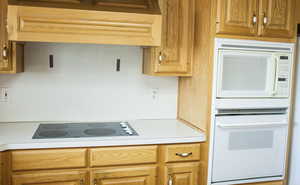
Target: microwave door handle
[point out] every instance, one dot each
(251, 125)
(275, 85)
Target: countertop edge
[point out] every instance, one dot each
(83, 144)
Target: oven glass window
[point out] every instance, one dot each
(251, 140)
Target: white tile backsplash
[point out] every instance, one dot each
(84, 86)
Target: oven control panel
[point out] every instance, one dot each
(282, 85)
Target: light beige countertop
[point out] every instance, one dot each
(18, 135)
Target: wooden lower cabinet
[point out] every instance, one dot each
(182, 174)
(136, 175)
(72, 177)
(117, 165)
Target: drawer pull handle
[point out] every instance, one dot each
(184, 154)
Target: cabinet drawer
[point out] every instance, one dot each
(122, 155)
(182, 152)
(48, 159)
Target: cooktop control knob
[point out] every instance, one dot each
(123, 124)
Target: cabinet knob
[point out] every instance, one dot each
(184, 154)
(254, 19)
(162, 57)
(5, 53)
(265, 20)
(170, 181)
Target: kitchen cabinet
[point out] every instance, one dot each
(175, 55)
(69, 177)
(123, 155)
(297, 12)
(237, 17)
(277, 18)
(137, 175)
(182, 174)
(118, 165)
(99, 22)
(271, 20)
(48, 159)
(11, 53)
(180, 164)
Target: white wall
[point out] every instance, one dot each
(295, 158)
(84, 86)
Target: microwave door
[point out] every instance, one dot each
(245, 74)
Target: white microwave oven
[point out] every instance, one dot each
(253, 74)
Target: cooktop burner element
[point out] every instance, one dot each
(79, 130)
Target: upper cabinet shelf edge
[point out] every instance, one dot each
(75, 21)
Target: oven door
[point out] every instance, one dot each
(247, 147)
(245, 74)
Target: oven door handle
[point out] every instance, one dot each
(252, 125)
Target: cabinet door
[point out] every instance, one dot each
(138, 175)
(4, 45)
(11, 53)
(174, 56)
(277, 18)
(237, 17)
(51, 178)
(182, 174)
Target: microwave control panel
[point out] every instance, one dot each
(283, 76)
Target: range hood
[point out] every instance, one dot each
(124, 22)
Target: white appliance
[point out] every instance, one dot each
(294, 177)
(248, 74)
(250, 110)
(249, 146)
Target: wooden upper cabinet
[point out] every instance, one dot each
(238, 17)
(277, 18)
(297, 12)
(182, 174)
(174, 56)
(5, 65)
(85, 21)
(51, 178)
(138, 175)
(271, 20)
(11, 53)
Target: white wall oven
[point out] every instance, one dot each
(249, 146)
(250, 111)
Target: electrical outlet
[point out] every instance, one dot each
(4, 94)
(154, 93)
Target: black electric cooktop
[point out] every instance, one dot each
(81, 130)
